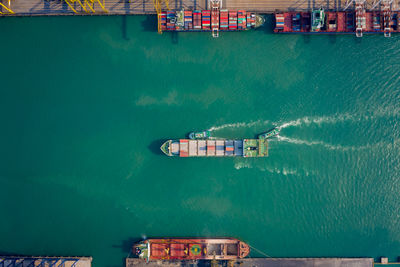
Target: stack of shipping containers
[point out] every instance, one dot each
(188, 20)
(280, 21)
(170, 24)
(250, 20)
(241, 20)
(163, 16)
(223, 23)
(206, 19)
(232, 20)
(197, 20)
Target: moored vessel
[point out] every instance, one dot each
(191, 249)
(359, 21)
(213, 20)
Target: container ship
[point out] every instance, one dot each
(191, 249)
(358, 21)
(216, 148)
(213, 20)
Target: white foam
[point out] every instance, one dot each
(321, 143)
(321, 120)
(240, 165)
(338, 118)
(238, 125)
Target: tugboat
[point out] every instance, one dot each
(200, 135)
(271, 133)
(191, 249)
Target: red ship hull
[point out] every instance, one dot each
(191, 249)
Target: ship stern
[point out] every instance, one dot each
(142, 250)
(244, 250)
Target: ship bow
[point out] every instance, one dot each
(165, 148)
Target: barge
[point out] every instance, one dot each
(191, 249)
(357, 22)
(216, 148)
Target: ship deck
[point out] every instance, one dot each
(265, 262)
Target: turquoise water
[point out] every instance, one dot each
(85, 103)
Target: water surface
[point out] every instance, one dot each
(85, 103)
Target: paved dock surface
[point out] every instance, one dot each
(132, 7)
(113, 7)
(263, 262)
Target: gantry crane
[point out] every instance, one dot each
(361, 19)
(215, 7)
(87, 5)
(6, 9)
(386, 9)
(158, 7)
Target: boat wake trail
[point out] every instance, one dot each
(379, 113)
(273, 170)
(321, 120)
(238, 125)
(319, 143)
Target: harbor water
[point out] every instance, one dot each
(86, 102)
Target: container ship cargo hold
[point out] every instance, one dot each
(191, 249)
(358, 21)
(216, 148)
(213, 20)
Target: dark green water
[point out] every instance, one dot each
(85, 103)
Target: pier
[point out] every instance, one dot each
(258, 262)
(144, 7)
(16, 261)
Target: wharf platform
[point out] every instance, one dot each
(17, 261)
(261, 262)
(145, 7)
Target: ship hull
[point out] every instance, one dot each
(216, 148)
(191, 249)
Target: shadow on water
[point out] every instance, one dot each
(150, 23)
(124, 28)
(357, 40)
(8, 253)
(306, 38)
(174, 37)
(126, 248)
(155, 146)
(332, 38)
(126, 245)
(268, 26)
